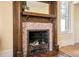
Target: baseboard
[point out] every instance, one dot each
(77, 43)
(65, 45)
(6, 53)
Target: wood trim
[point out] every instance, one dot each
(50, 7)
(17, 29)
(48, 2)
(55, 44)
(38, 15)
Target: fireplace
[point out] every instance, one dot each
(24, 21)
(38, 42)
(37, 38)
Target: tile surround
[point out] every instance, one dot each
(36, 26)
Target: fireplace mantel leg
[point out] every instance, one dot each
(19, 53)
(17, 29)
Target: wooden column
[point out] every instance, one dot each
(53, 11)
(55, 45)
(17, 29)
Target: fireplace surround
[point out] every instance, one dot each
(40, 29)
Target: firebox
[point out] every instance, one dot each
(38, 42)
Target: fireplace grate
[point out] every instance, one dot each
(38, 42)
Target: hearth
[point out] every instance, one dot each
(38, 42)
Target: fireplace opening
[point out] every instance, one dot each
(38, 42)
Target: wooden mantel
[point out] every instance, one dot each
(38, 15)
(18, 14)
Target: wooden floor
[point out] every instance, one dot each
(71, 50)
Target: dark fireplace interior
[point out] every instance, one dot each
(38, 42)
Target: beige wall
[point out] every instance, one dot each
(6, 28)
(64, 38)
(76, 22)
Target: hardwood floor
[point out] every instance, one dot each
(71, 50)
(61, 54)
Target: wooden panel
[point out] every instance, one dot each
(36, 19)
(55, 42)
(38, 15)
(17, 29)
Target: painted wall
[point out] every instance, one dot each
(64, 38)
(76, 22)
(6, 28)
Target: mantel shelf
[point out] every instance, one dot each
(38, 15)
